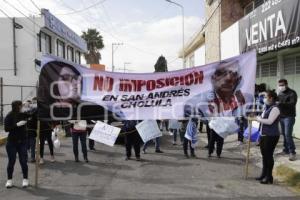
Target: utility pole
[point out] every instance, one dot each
(112, 54)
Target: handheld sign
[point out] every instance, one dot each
(105, 133)
(148, 130)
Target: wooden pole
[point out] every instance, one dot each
(248, 149)
(37, 154)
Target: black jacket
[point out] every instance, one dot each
(287, 103)
(15, 134)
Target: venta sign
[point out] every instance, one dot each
(272, 26)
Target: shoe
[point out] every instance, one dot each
(9, 184)
(193, 156)
(41, 161)
(186, 155)
(260, 178)
(52, 159)
(158, 151)
(292, 157)
(138, 159)
(206, 147)
(92, 149)
(174, 143)
(25, 183)
(267, 181)
(219, 156)
(282, 153)
(86, 160)
(209, 155)
(32, 160)
(144, 151)
(76, 160)
(127, 158)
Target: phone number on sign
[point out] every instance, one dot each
(268, 4)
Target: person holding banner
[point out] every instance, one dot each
(269, 136)
(186, 142)
(14, 124)
(132, 139)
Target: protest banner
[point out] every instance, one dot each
(105, 133)
(70, 91)
(148, 130)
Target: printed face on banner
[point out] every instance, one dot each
(71, 91)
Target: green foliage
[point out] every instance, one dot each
(94, 44)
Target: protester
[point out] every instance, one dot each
(156, 140)
(269, 136)
(174, 128)
(31, 130)
(79, 131)
(215, 138)
(90, 126)
(191, 137)
(132, 139)
(186, 143)
(287, 105)
(45, 135)
(14, 124)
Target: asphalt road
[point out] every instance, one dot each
(159, 176)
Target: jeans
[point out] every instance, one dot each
(174, 131)
(46, 136)
(157, 146)
(75, 138)
(215, 138)
(31, 146)
(267, 146)
(133, 140)
(12, 148)
(187, 143)
(287, 125)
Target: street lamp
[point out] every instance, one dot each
(126, 63)
(182, 10)
(112, 54)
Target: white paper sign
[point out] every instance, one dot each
(105, 133)
(148, 130)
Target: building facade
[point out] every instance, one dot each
(23, 42)
(271, 27)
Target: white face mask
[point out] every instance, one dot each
(281, 88)
(266, 101)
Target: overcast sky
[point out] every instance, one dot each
(147, 28)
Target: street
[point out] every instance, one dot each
(159, 176)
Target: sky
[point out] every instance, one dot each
(147, 28)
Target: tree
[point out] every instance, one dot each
(94, 43)
(161, 64)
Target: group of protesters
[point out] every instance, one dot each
(21, 124)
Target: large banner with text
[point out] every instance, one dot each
(271, 27)
(71, 91)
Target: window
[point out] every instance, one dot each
(192, 61)
(267, 69)
(291, 65)
(45, 43)
(70, 53)
(77, 57)
(60, 48)
(253, 5)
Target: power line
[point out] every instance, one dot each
(84, 9)
(26, 7)
(35, 5)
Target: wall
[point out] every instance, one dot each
(231, 11)
(200, 56)
(212, 33)
(230, 42)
